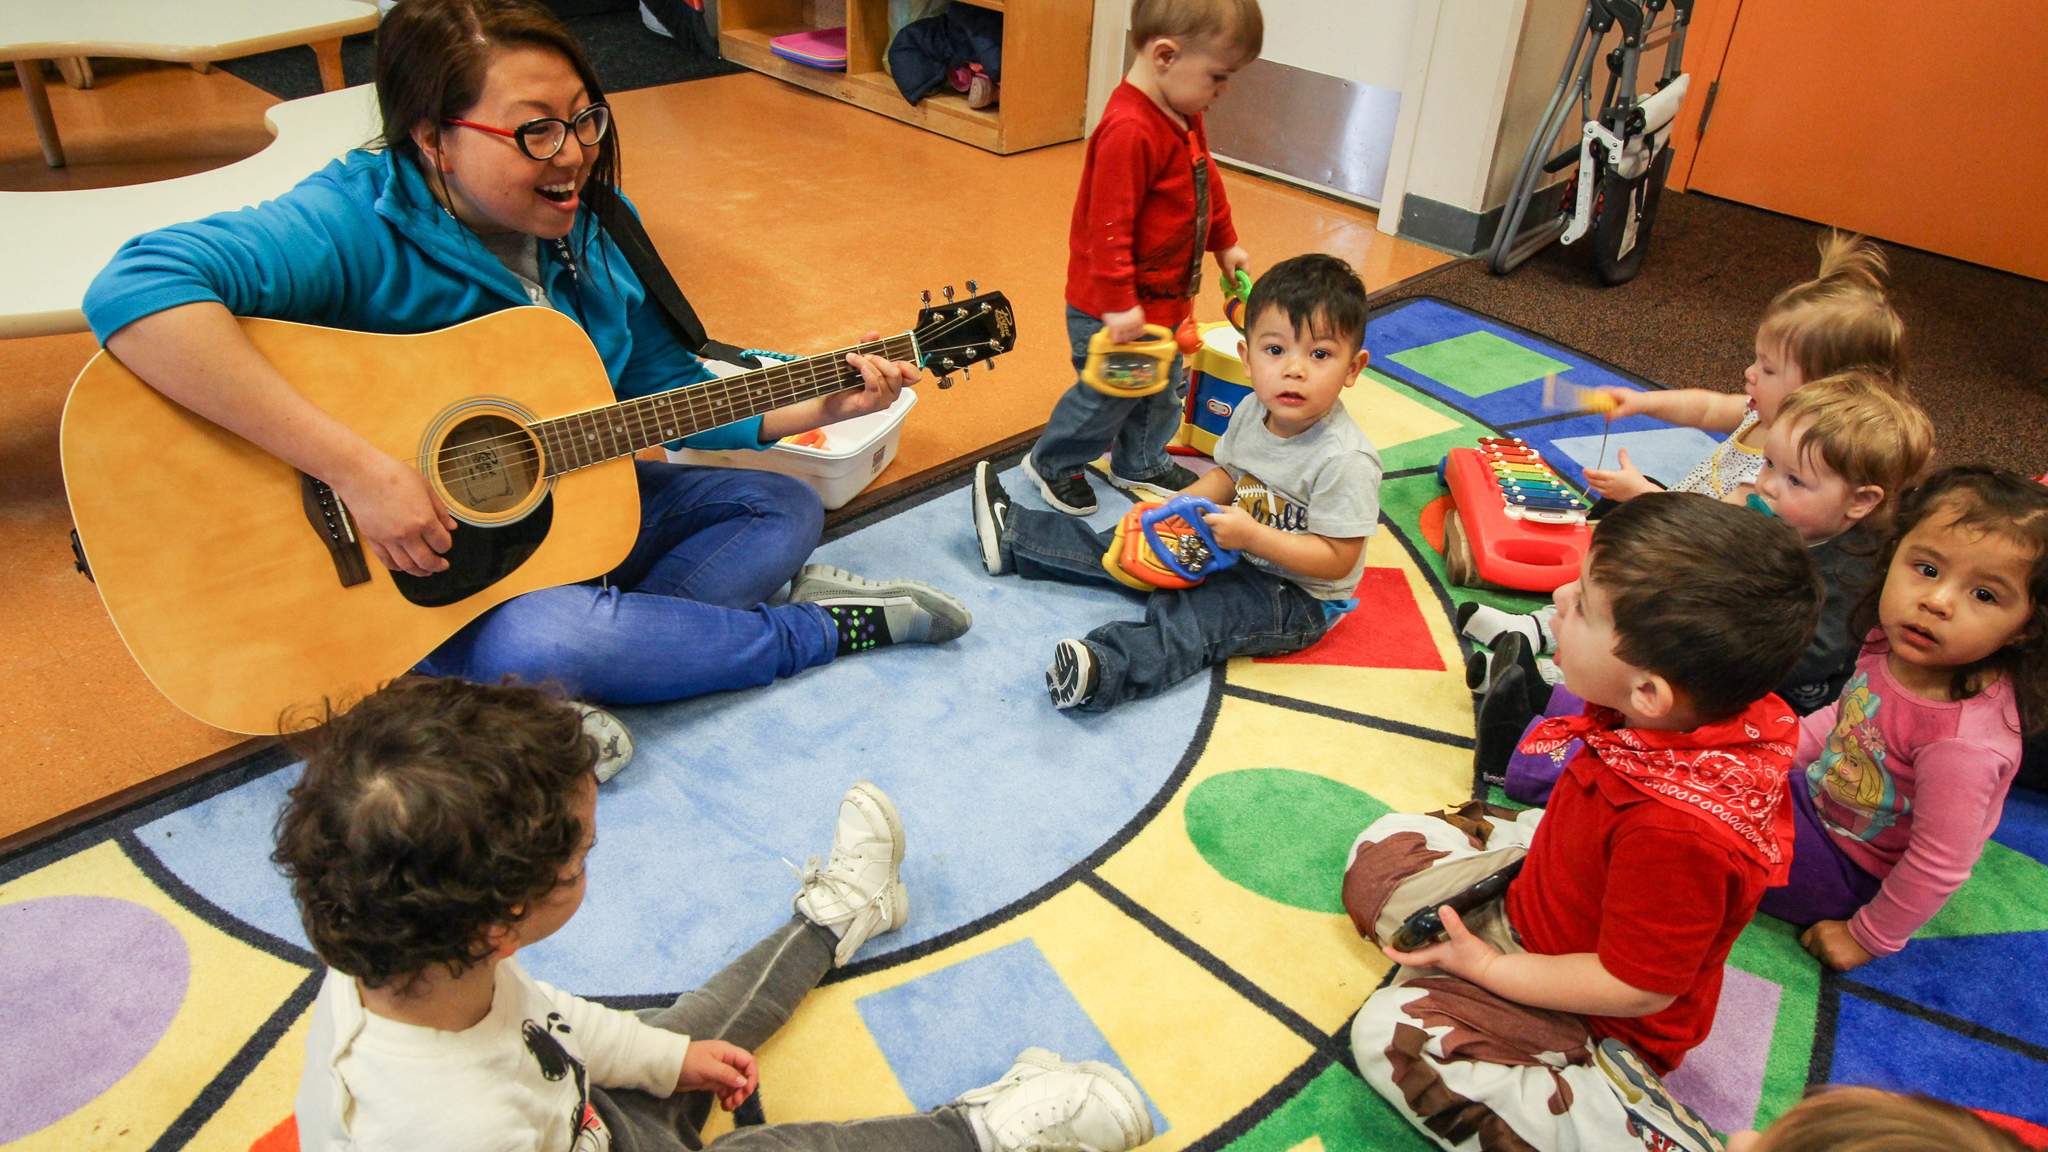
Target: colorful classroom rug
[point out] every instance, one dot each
(1156, 886)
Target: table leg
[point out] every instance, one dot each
(328, 52)
(31, 75)
(76, 70)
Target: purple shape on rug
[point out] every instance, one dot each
(1723, 1078)
(88, 984)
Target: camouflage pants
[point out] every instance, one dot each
(1471, 1070)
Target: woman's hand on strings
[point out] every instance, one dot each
(881, 379)
(398, 515)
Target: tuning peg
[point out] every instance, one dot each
(972, 288)
(990, 366)
(925, 297)
(945, 382)
(949, 293)
(967, 373)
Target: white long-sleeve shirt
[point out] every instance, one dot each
(518, 1079)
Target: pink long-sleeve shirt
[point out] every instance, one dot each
(1909, 788)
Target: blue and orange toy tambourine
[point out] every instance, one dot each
(1166, 545)
(1237, 290)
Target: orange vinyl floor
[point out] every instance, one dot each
(795, 222)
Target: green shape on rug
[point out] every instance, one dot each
(1336, 1112)
(2001, 895)
(1281, 833)
(1479, 363)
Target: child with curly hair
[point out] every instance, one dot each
(440, 827)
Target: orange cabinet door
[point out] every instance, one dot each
(1923, 124)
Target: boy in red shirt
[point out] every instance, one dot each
(1545, 1021)
(1151, 203)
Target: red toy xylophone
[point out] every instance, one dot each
(1514, 522)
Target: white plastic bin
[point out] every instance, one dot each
(854, 453)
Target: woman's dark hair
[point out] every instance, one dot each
(427, 813)
(432, 56)
(1997, 502)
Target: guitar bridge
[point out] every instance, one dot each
(331, 521)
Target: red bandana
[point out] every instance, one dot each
(1731, 773)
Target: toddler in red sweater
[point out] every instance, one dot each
(1151, 203)
(1546, 1019)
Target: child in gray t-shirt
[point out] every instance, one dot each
(1298, 492)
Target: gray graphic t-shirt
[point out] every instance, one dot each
(1325, 480)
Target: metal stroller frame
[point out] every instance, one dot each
(1622, 155)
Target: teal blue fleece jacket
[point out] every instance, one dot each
(363, 245)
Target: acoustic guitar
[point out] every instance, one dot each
(238, 582)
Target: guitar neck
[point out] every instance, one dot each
(621, 429)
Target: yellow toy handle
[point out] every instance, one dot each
(1130, 370)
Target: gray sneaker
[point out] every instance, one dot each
(614, 742)
(874, 613)
(1650, 1105)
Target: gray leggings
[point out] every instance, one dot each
(744, 1005)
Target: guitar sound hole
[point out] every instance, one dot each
(489, 464)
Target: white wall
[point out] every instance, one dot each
(1461, 58)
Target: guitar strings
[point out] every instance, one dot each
(703, 400)
(799, 380)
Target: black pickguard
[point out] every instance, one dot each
(479, 558)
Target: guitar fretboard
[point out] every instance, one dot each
(601, 434)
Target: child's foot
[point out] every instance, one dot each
(1071, 678)
(1068, 492)
(874, 613)
(1043, 1104)
(1650, 1104)
(1165, 483)
(857, 893)
(614, 742)
(1483, 623)
(991, 519)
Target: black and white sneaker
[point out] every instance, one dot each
(991, 519)
(614, 742)
(876, 613)
(1164, 484)
(1650, 1105)
(1071, 677)
(1070, 493)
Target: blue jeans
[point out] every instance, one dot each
(1240, 611)
(1084, 422)
(684, 614)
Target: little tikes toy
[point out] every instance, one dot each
(1515, 523)
(1139, 368)
(1166, 545)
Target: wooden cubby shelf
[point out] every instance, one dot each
(1045, 68)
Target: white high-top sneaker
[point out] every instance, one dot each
(857, 893)
(1044, 1104)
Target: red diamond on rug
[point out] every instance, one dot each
(1386, 631)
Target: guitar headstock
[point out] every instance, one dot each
(959, 334)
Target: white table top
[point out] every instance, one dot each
(61, 240)
(186, 30)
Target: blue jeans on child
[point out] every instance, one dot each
(1240, 611)
(1084, 422)
(683, 615)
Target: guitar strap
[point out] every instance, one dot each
(631, 237)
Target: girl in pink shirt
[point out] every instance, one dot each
(1906, 773)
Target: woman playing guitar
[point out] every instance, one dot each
(495, 128)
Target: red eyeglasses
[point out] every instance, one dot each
(540, 139)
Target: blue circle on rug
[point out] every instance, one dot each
(728, 794)
(93, 983)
